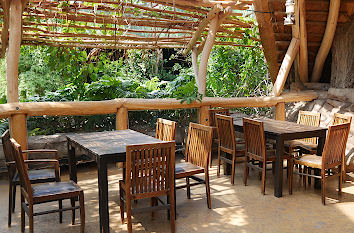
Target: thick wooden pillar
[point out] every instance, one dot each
(18, 125)
(280, 111)
(122, 119)
(204, 115)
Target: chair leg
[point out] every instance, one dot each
(207, 186)
(172, 211)
(323, 186)
(188, 188)
(82, 211)
(121, 203)
(14, 198)
(304, 177)
(290, 176)
(129, 215)
(219, 162)
(22, 215)
(72, 201)
(233, 169)
(264, 168)
(340, 180)
(246, 170)
(60, 212)
(30, 218)
(10, 205)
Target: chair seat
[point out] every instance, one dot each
(38, 175)
(51, 191)
(187, 169)
(314, 161)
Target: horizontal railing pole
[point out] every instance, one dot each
(111, 106)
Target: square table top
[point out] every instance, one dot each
(281, 127)
(110, 142)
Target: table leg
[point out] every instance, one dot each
(278, 178)
(321, 142)
(72, 163)
(103, 195)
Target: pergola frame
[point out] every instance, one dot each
(206, 20)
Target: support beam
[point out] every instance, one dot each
(280, 111)
(122, 119)
(326, 41)
(285, 66)
(267, 36)
(204, 115)
(303, 53)
(18, 129)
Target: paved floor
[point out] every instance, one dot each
(235, 208)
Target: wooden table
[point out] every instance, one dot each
(104, 147)
(282, 131)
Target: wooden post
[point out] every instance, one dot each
(285, 67)
(326, 41)
(280, 111)
(204, 115)
(122, 119)
(18, 124)
(303, 54)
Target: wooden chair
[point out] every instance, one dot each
(49, 173)
(256, 149)
(42, 193)
(227, 143)
(197, 154)
(165, 130)
(342, 119)
(331, 160)
(152, 178)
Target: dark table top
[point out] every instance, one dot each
(110, 142)
(281, 127)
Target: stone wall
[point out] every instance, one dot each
(335, 100)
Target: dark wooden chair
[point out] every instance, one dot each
(152, 178)
(256, 149)
(331, 160)
(227, 143)
(48, 172)
(42, 193)
(342, 119)
(197, 154)
(165, 130)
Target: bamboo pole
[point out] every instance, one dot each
(18, 127)
(285, 67)
(131, 104)
(280, 111)
(326, 41)
(122, 119)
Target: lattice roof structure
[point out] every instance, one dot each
(135, 24)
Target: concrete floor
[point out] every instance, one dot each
(235, 208)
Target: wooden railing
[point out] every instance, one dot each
(19, 111)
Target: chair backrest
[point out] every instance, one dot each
(150, 168)
(255, 142)
(311, 119)
(21, 168)
(165, 130)
(6, 144)
(221, 111)
(225, 127)
(198, 146)
(341, 119)
(334, 148)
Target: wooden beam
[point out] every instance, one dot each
(303, 54)
(267, 36)
(204, 115)
(280, 111)
(5, 28)
(202, 25)
(326, 41)
(285, 66)
(122, 119)
(131, 104)
(18, 129)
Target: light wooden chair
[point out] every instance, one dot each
(43, 193)
(256, 149)
(342, 119)
(152, 179)
(165, 130)
(197, 154)
(331, 160)
(47, 172)
(227, 143)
